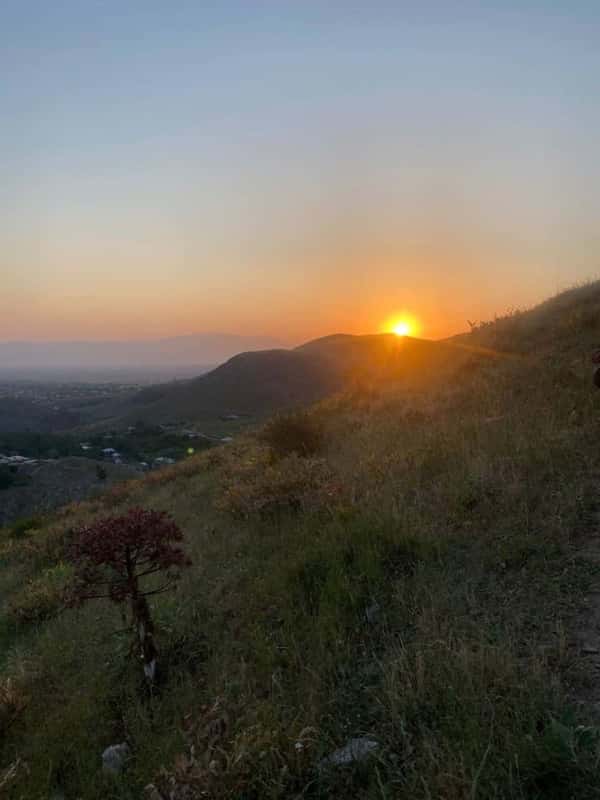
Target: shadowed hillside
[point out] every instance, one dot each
(259, 383)
(249, 383)
(392, 594)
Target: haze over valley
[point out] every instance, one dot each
(195, 352)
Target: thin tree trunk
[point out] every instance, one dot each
(145, 631)
(142, 620)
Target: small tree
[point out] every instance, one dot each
(114, 557)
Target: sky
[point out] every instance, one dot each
(292, 168)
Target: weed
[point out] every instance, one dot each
(299, 433)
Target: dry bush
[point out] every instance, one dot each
(41, 598)
(41, 547)
(213, 458)
(300, 432)
(119, 493)
(290, 484)
(190, 466)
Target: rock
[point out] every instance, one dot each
(589, 650)
(150, 670)
(372, 613)
(354, 750)
(152, 793)
(114, 758)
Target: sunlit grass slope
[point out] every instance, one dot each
(413, 574)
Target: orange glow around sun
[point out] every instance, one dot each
(402, 325)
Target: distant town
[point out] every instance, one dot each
(61, 394)
(55, 447)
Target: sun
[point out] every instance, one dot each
(401, 324)
(402, 328)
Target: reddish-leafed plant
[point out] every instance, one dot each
(116, 556)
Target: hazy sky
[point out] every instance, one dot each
(292, 168)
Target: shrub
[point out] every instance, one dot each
(299, 433)
(42, 598)
(22, 527)
(291, 484)
(114, 554)
(117, 494)
(44, 546)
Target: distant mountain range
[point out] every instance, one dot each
(202, 350)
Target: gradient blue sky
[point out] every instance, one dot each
(292, 168)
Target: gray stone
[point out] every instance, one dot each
(353, 750)
(114, 758)
(372, 612)
(152, 793)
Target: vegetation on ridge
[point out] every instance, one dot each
(417, 577)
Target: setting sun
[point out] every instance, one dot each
(402, 328)
(401, 325)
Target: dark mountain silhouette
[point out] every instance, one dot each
(255, 384)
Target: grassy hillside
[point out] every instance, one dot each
(414, 561)
(249, 383)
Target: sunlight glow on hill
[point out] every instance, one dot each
(402, 325)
